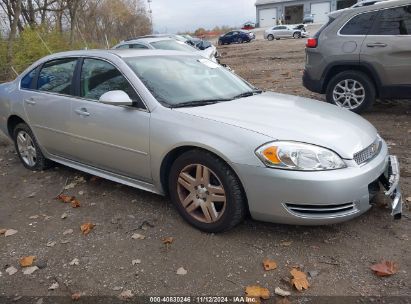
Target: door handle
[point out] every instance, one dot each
(82, 112)
(30, 101)
(377, 44)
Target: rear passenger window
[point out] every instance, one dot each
(28, 80)
(393, 21)
(56, 76)
(359, 25)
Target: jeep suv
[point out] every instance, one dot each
(361, 54)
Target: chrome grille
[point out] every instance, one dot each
(368, 153)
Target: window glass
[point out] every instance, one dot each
(393, 21)
(173, 45)
(99, 77)
(123, 46)
(56, 76)
(359, 25)
(178, 79)
(138, 46)
(28, 79)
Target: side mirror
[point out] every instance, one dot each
(116, 98)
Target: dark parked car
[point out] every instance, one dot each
(238, 36)
(248, 26)
(308, 18)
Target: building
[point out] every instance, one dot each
(272, 12)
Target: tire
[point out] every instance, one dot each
(349, 99)
(228, 213)
(220, 42)
(296, 35)
(239, 40)
(270, 37)
(31, 155)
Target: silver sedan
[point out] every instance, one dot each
(179, 124)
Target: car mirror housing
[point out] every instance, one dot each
(116, 98)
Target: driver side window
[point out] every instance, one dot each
(99, 77)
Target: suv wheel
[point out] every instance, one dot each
(270, 37)
(206, 191)
(352, 90)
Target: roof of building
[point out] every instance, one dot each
(261, 2)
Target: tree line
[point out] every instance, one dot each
(31, 29)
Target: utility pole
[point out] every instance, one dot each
(150, 11)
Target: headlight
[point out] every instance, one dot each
(298, 156)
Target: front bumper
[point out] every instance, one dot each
(315, 198)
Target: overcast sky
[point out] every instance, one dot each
(170, 16)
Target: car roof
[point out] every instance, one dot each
(148, 39)
(122, 53)
(368, 8)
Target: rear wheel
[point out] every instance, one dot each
(270, 37)
(352, 90)
(28, 149)
(206, 191)
(240, 40)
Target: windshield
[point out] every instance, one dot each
(172, 45)
(180, 80)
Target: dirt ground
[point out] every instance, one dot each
(338, 257)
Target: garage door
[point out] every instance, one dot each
(268, 17)
(320, 11)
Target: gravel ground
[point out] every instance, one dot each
(338, 256)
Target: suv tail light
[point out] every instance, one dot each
(312, 43)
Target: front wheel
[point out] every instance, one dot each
(28, 149)
(352, 90)
(296, 35)
(270, 37)
(206, 191)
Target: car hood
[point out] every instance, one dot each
(287, 117)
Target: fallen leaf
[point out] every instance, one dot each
(181, 271)
(30, 270)
(280, 292)
(137, 236)
(86, 228)
(54, 286)
(385, 268)
(27, 261)
(33, 217)
(299, 279)
(283, 301)
(286, 243)
(75, 203)
(74, 262)
(257, 292)
(64, 216)
(168, 240)
(10, 232)
(76, 296)
(269, 264)
(135, 262)
(126, 295)
(3, 231)
(11, 270)
(68, 231)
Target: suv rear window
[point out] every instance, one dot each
(359, 25)
(393, 21)
(330, 20)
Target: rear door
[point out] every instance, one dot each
(387, 48)
(47, 103)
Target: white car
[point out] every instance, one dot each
(285, 31)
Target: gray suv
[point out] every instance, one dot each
(361, 54)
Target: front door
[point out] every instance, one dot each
(112, 138)
(388, 47)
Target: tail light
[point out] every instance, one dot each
(312, 43)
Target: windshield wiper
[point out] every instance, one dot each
(248, 94)
(199, 103)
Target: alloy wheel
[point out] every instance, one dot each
(349, 94)
(26, 148)
(201, 193)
